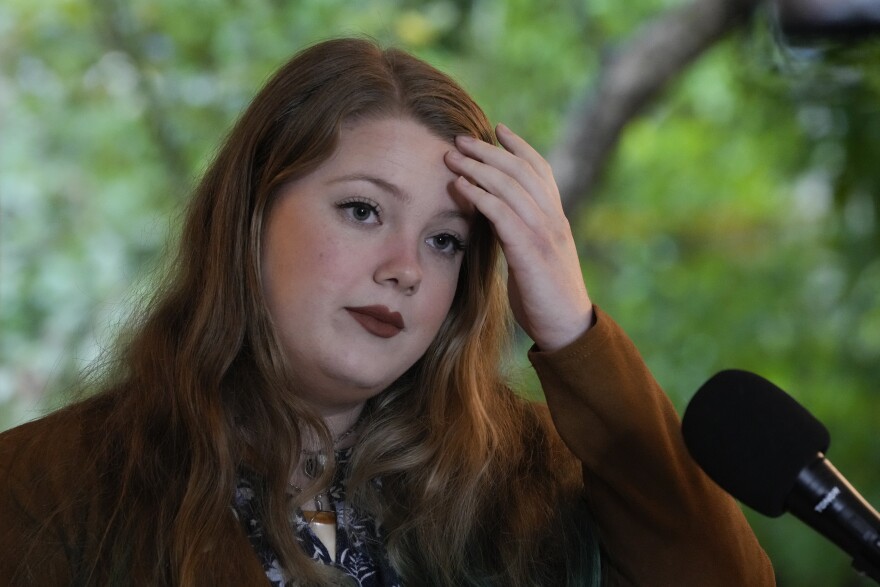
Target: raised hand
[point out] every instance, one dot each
(514, 188)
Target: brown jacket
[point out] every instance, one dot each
(661, 521)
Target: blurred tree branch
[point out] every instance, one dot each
(631, 78)
(116, 26)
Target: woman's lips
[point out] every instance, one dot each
(378, 320)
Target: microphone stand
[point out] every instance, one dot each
(830, 505)
(866, 569)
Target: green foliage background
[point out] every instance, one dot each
(737, 225)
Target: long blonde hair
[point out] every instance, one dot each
(468, 493)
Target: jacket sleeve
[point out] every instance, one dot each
(661, 520)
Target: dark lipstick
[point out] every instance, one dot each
(378, 320)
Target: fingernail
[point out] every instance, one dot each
(466, 139)
(454, 155)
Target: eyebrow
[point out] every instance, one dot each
(378, 182)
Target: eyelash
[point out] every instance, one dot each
(456, 244)
(350, 205)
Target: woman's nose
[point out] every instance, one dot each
(400, 267)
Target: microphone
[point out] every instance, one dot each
(768, 451)
(844, 19)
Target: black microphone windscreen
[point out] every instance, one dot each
(751, 438)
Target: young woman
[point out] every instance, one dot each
(313, 397)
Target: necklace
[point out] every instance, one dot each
(322, 521)
(313, 464)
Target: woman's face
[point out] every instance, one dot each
(361, 260)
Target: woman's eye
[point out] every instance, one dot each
(447, 243)
(362, 212)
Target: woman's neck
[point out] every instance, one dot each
(340, 423)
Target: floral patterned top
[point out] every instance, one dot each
(359, 546)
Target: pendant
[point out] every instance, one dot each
(320, 517)
(313, 464)
(323, 525)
